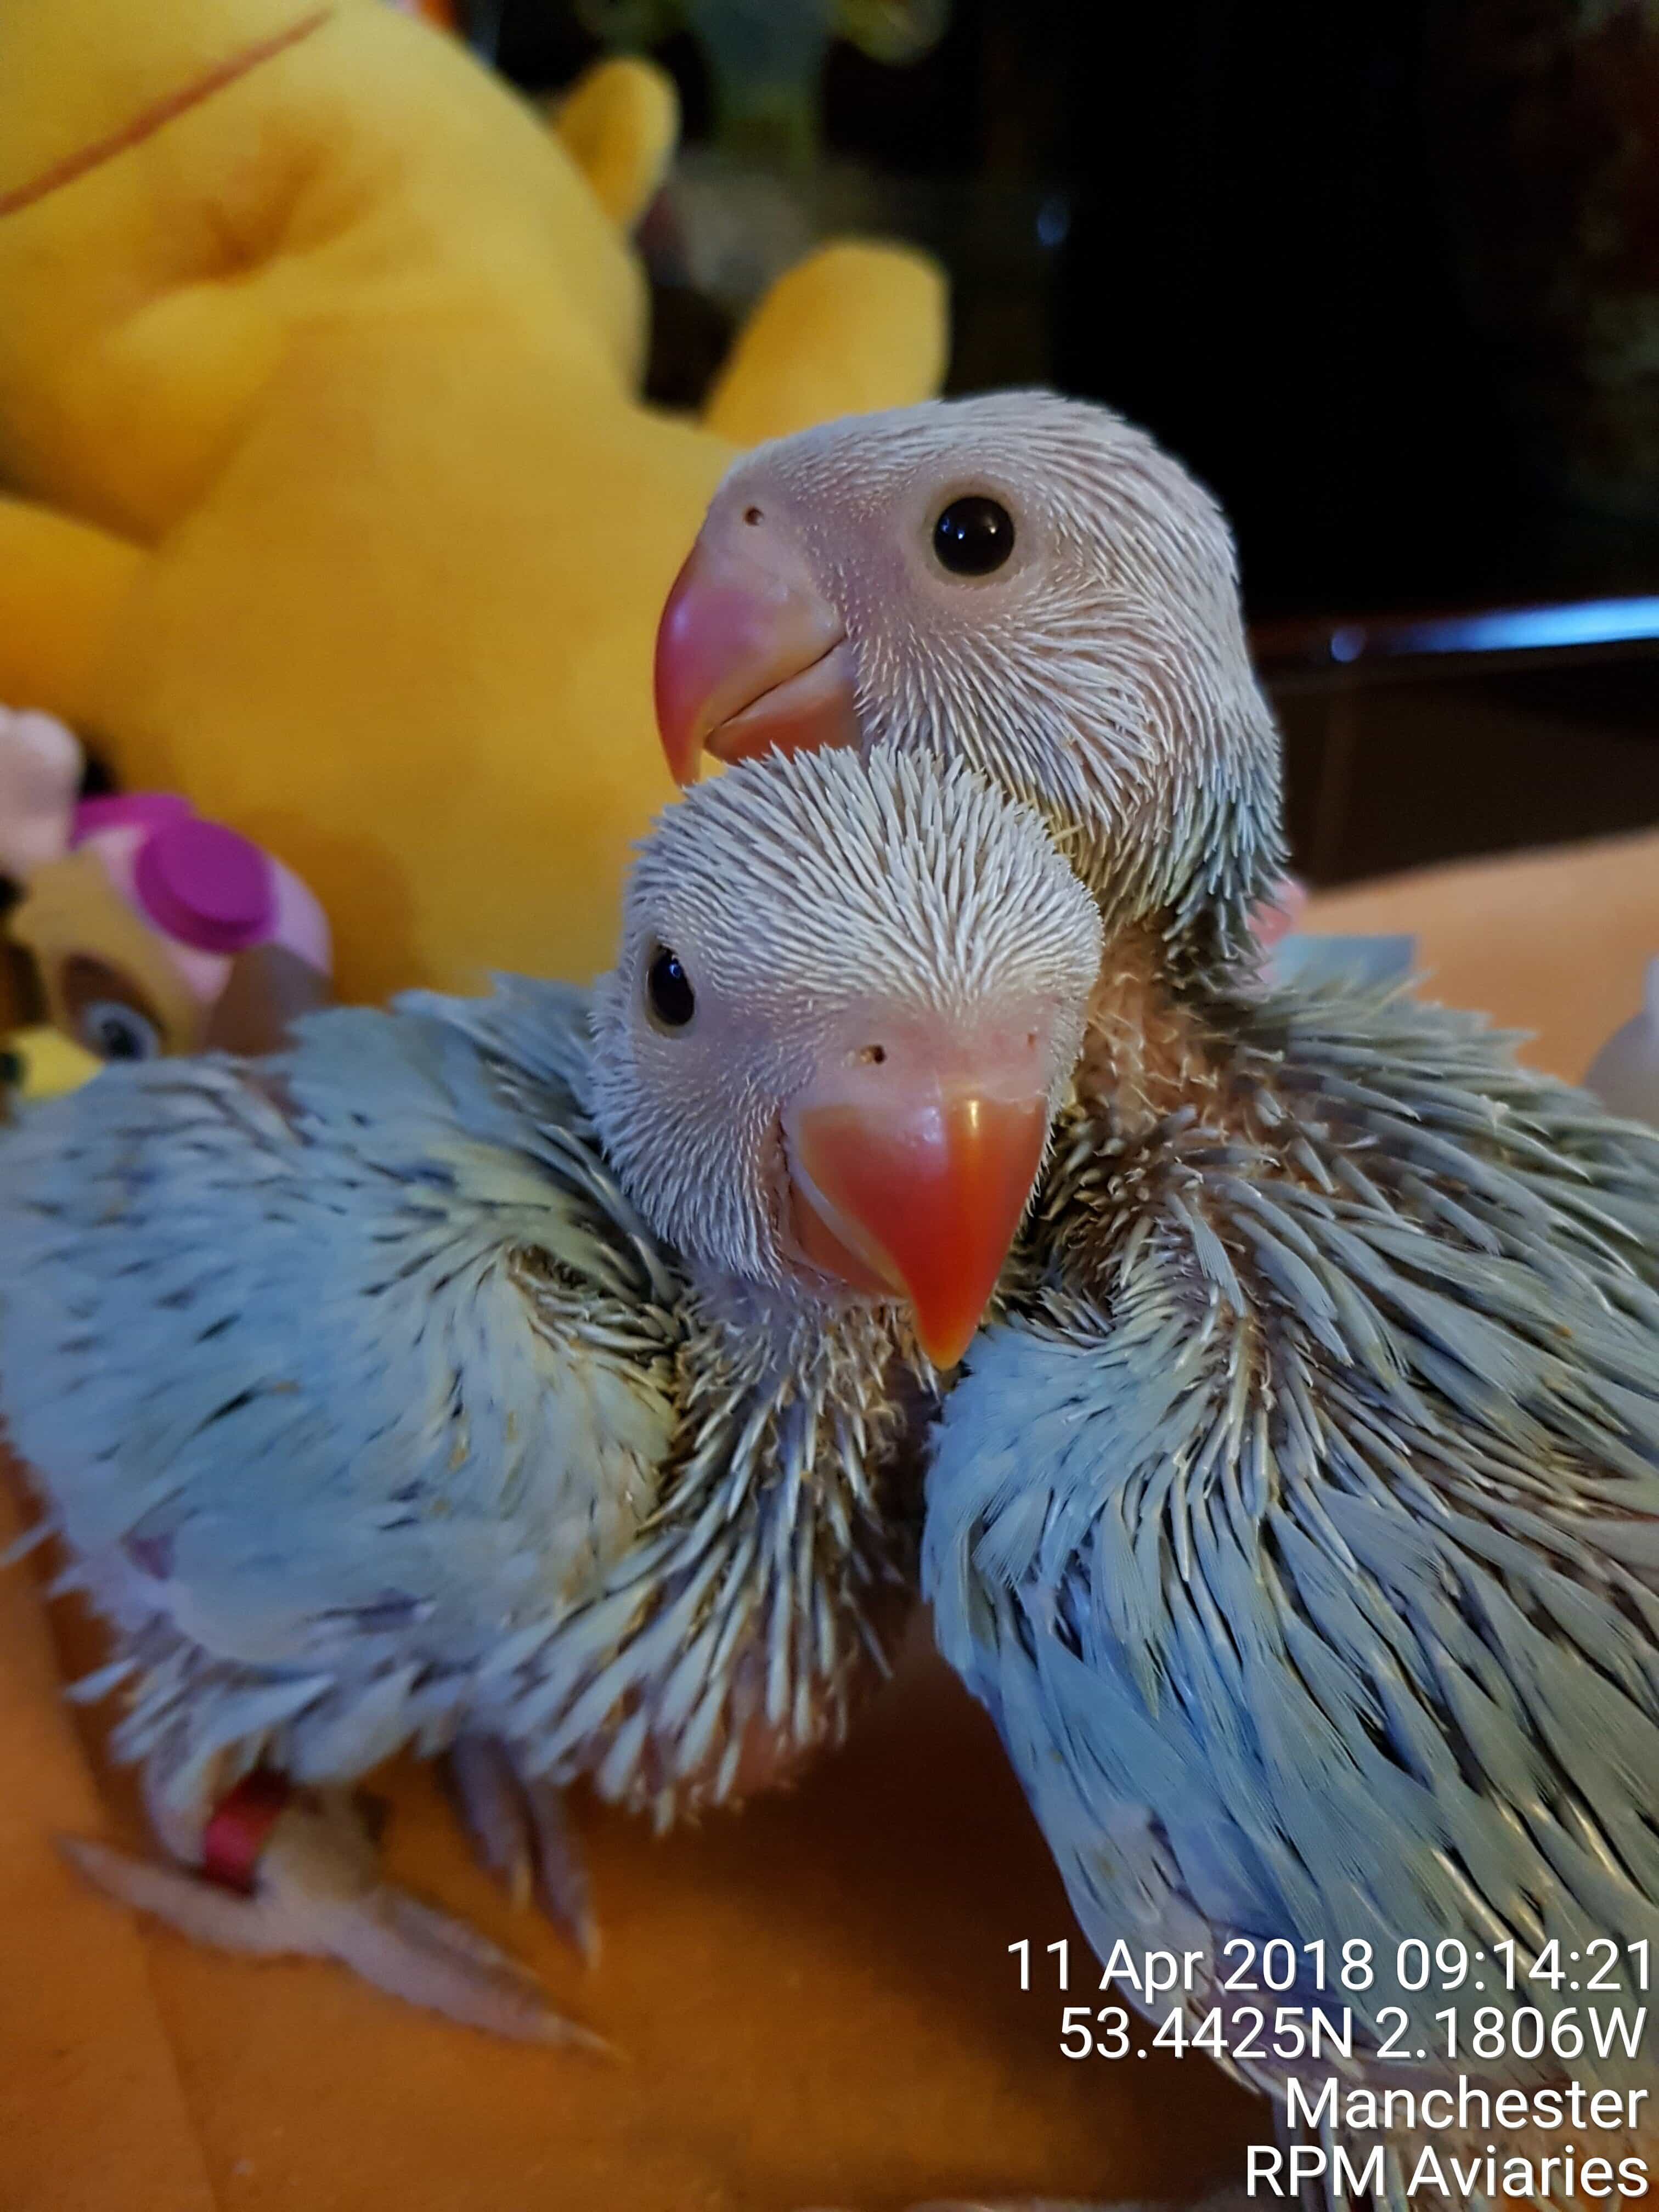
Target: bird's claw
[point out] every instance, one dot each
(521, 1833)
(317, 1894)
(430, 1958)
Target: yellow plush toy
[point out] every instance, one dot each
(333, 506)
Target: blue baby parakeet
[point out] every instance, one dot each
(535, 1381)
(1297, 1522)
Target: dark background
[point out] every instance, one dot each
(1251, 225)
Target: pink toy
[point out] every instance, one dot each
(154, 930)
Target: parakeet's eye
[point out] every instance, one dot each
(668, 990)
(115, 1032)
(974, 536)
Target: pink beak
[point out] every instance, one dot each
(751, 658)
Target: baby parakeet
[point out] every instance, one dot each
(536, 1381)
(1298, 1523)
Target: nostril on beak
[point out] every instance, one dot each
(752, 515)
(874, 1055)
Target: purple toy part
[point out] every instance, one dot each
(205, 886)
(132, 809)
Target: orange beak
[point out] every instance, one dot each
(917, 1196)
(751, 658)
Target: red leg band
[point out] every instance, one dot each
(242, 1823)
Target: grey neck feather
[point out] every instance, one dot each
(739, 1625)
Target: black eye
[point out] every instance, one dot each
(668, 988)
(974, 536)
(114, 1031)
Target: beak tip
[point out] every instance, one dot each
(682, 747)
(673, 687)
(947, 1349)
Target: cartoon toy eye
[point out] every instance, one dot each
(668, 990)
(974, 536)
(115, 1032)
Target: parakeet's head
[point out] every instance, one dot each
(1024, 581)
(849, 997)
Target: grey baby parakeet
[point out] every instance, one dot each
(534, 1379)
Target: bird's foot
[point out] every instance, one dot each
(521, 1831)
(314, 1888)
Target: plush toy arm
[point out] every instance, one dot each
(619, 124)
(851, 328)
(60, 585)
